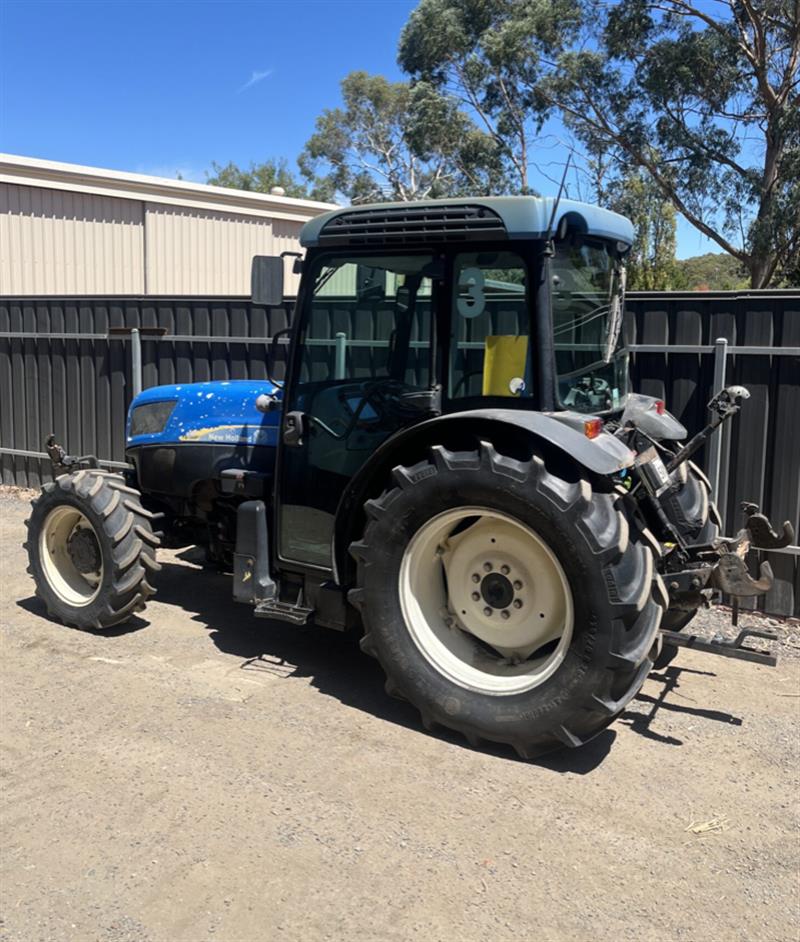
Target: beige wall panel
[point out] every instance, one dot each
(190, 251)
(286, 238)
(58, 242)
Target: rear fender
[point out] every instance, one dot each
(513, 431)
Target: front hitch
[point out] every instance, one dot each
(721, 565)
(731, 575)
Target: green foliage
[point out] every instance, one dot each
(488, 54)
(714, 271)
(651, 262)
(392, 141)
(708, 105)
(259, 178)
(705, 101)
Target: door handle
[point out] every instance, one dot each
(293, 427)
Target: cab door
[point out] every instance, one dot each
(361, 369)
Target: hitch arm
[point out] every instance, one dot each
(62, 462)
(726, 403)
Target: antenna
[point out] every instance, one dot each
(550, 232)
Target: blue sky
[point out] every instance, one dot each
(168, 87)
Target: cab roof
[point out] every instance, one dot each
(456, 220)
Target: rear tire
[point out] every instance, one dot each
(91, 549)
(598, 655)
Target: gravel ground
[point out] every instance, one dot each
(201, 775)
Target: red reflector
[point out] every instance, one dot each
(592, 427)
(660, 406)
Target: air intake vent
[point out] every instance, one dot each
(414, 223)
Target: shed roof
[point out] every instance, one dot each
(32, 171)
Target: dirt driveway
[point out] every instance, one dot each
(203, 775)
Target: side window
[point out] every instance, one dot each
(369, 319)
(489, 326)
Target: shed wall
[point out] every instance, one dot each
(62, 242)
(66, 242)
(193, 251)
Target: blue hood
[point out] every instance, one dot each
(221, 413)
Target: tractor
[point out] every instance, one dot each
(453, 464)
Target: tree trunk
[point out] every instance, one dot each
(761, 264)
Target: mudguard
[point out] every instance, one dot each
(603, 455)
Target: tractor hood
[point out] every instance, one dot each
(220, 413)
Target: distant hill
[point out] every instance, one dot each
(710, 272)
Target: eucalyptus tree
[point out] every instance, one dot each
(703, 97)
(392, 141)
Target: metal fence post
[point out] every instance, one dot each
(715, 442)
(136, 360)
(340, 367)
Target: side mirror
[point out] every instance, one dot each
(266, 280)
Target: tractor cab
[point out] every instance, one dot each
(413, 311)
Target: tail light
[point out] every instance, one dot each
(659, 406)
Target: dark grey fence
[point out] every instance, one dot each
(66, 367)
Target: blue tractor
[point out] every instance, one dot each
(455, 466)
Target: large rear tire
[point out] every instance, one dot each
(505, 602)
(91, 548)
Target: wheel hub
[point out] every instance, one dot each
(497, 590)
(84, 551)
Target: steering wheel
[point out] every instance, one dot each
(375, 394)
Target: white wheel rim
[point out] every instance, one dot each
(72, 586)
(501, 633)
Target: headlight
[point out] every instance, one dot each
(151, 417)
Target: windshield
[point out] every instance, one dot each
(587, 289)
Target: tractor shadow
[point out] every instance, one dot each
(332, 661)
(642, 722)
(35, 606)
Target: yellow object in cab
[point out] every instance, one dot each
(504, 365)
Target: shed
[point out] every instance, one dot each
(67, 229)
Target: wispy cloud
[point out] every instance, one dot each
(255, 78)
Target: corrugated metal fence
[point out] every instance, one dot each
(79, 387)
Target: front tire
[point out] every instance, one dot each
(91, 548)
(568, 604)
(694, 514)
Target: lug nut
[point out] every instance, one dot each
(504, 613)
(505, 570)
(517, 603)
(476, 577)
(476, 596)
(487, 567)
(487, 611)
(517, 584)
